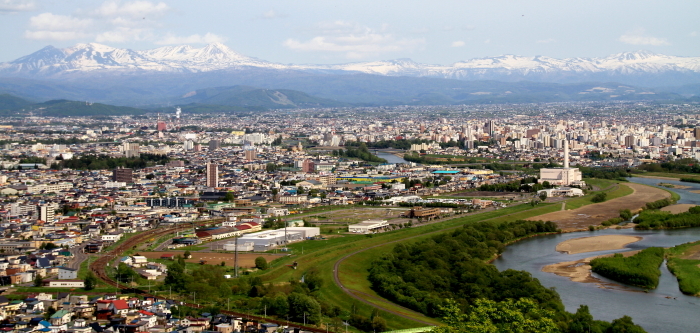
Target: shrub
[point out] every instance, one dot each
(260, 263)
(600, 197)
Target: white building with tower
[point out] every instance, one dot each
(565, 176)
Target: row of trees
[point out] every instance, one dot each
(102, 162)
(641, 269)
(654, 219)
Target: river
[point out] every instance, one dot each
(390, 158)
(665, 309)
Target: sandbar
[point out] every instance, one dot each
(580, 270)
(596, 243)
(677, 209)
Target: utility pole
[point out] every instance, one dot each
(235, 257)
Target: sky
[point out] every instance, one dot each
(332, 32)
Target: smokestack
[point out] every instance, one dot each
(566, 153)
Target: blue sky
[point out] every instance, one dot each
(315, 31)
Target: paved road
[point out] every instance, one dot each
(78, 257)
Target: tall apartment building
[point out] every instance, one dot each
(308, 166)
(212, 174)
(44, 213)
(214, 144)
(251, 154)
(125, 175)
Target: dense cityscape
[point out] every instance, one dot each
(242, 189)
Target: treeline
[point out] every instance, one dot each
(605, 173)
(360, 152)
(516, 186)
(383, 144)
(102, 162)
(658, 204)
(431, 204)
(654, 219)
(641, 269)
(453, 265)
(684, 165)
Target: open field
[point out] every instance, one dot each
(245, 260)
(594, 214)
(677, 209)
(482, 194)
(359, 214)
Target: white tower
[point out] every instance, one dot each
(566, 153)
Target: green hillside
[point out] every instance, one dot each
(256, 97)
(10, 102)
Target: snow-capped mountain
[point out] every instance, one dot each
(639, 67)
(97, 57)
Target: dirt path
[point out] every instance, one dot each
(594, 214)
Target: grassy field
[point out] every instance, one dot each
(683, 261)
(324, 253)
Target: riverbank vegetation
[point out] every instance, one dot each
(641, 269)
(420, 275)
(686, 269)
(655, 219)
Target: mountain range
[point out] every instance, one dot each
(165, 75)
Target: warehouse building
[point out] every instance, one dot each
(368, 226)
(270, 239)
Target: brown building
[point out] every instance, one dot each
(212, 174)
(308, 166)
(125, 175)
(425, 213)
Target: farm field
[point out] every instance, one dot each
(245, 260)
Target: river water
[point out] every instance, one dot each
(391, 158)
(665, 309)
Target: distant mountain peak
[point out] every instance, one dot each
(95, 57)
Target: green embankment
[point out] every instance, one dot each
(641, 269)
(686, 270)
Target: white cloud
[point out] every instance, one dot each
(458, 43)
(488, 41)
(354, 40)
(192, 39)
(693, 34)
(123, 34)
(546, 41)
(271, 14)
(48, 26)
(16, 5)
(638, 37)
(132, 9)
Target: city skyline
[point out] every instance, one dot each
(326, 32)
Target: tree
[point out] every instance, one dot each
(90, 281)
(49, 312)
(624, 325)
(187, 254)
(303, 307)
(38, 280)
(125, 273)
(229, 196)
(600, 197)
(313, 279)
(487, 316)
(543, 196)
(260, 263)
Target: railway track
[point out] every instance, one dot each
(99, 267)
